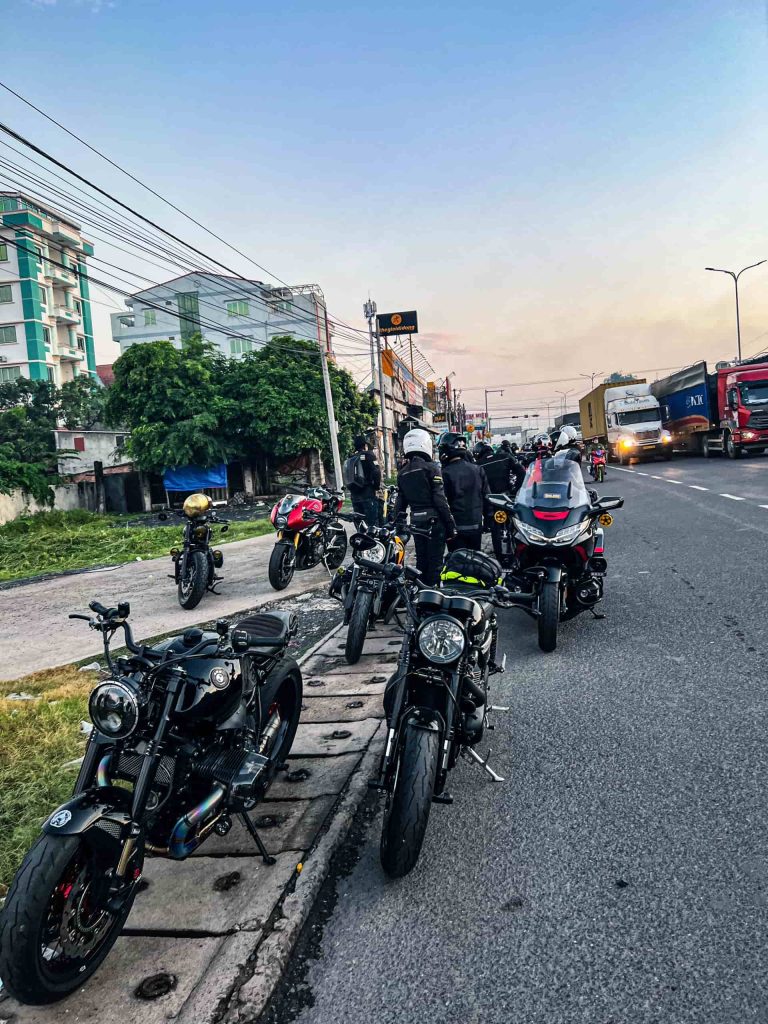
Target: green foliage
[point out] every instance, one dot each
(28, 456)
(57, 541)
(81, 402)
(617, 377)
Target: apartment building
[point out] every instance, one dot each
(46, 328)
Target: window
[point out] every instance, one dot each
(8, 335)
(3, 252)
(189, 314)
(6, 205)
(78, 443)
(150, 317)
(120, 441)
(78, 307)
(238, 308)
(51, 377)
(81, 343)
(237, 346)
(6, 295)
(47, 337)
(9, 373)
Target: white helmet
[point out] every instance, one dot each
(418, 440)
(568, 436)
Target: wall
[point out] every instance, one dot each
(16, 504)
(99, 446)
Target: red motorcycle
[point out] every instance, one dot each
(308, 532)
(597, 464)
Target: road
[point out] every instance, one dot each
(35, 632)
(619, 875)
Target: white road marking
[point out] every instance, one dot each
(641, 473)
(733, 497)
(657, 477)
(695, 487)
(672, 481)
(762, 506)
(623, 469)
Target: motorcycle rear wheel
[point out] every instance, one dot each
(335, 555)
(282, 564)
(549, 616)
(51, 939)
(600, 474)
(407, 815)
(358, 625)
(195, 581)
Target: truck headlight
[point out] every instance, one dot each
(666, 437)
(627, 442)
(748, 435)
(441, 640)
(114, 709)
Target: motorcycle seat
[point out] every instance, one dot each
(264, 629)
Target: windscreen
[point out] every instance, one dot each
(289, 502)
(554, 482)
(754, 392)
(639, 416)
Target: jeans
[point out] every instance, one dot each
(430, 552)
(368, 508)
(471, 539)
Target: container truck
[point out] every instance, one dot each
(723, 411)
(626, 419)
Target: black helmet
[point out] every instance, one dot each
(451, 446)
(505, 445)
(482, 450)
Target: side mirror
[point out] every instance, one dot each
(123, 609)
(606, 504)
(222, 627)
(225, 527)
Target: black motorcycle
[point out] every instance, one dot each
(437, 702)
(367, 596)
(557, 562)
(196, 562)
(186, 734)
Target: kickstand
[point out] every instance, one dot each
(474, 756)
(266, 857)
(598, 615)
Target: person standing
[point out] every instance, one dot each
(420, 489)
(505, 475)
(466, 489)
(362, 477)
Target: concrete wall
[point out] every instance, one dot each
(99, 446)
(16, 504)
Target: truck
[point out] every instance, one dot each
(723, 411)
(626, 418)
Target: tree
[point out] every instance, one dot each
(617, 377)
(81, 402)
(28, 454)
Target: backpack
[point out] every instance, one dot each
(354, 471)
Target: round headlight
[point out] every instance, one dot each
(201, 532)
(196, 505)
(441, 640)
(281, 521)
(374, 554)
(114, 709)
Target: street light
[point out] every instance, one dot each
(591, 377)
(736, 277)
(490, 391)
(548, 402)
(564, 396)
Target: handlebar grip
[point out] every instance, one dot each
(75, 615)
(98, 608)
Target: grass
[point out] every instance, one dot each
(56, 541)
(37, 737)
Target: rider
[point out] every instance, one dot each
(505, 475)
(568, 441)
(466, 488)
(420, 488)
(363, 481)
(542, 445)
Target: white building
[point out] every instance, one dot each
(235, 315)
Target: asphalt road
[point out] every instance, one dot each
(619, 875)
(35, 632)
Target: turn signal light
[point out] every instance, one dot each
(174, 552)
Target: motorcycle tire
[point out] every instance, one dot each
(283, 687)
(406, 817)
(549, 616)
(358, 626)
(282, 565)
(28, 974)
(336, 555)
(600, 474)
(194, 584)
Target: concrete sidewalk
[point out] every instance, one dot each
(212, 934)
(35, 632)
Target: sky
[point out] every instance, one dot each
(544, 182)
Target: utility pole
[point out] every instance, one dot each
(369, 311)
(332, 426)
(490, 391)
(591, 377)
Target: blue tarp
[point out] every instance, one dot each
(193, 478)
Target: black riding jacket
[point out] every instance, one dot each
(503, 472)
(420, 488)
(372, 477)
(466, 489)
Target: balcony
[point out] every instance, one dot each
(65, 278)
(65, 235)
(71, 355)
(64, 315)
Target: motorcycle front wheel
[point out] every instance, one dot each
(53, 934)
(407, 814)
(194, 582)
(600, 474)
(336, 548)
(282, 564)
(358, 625)
(549, 616)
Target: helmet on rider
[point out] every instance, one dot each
(568, 437)
(541, 441)
(451, 446)
(418, 442)
(482, 450)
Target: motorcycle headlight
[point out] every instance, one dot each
(374, 554)
(201, 532)
(114, 709)
(281, 521)
(570, 533)
(530, 533)
(441, 640)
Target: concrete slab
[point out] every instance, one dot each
(205, 1004)
(109, 995)
(374, 645)
(192, 896)
(320, 665)
(327, 775)
(348, 684)
(341, 709)
(317, 739)
(289, 825)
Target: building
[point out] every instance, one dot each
(46, 329)
(237, 316)
(572, 419)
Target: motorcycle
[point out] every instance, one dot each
(367, 597)
(391, 492)
(308, 532)
(195, 563)
(437, 701)
(597, 465)
(186, 733)
(559, 563)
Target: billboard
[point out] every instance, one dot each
(412, 386)
(398, 323)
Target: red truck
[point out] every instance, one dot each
(724, 411)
